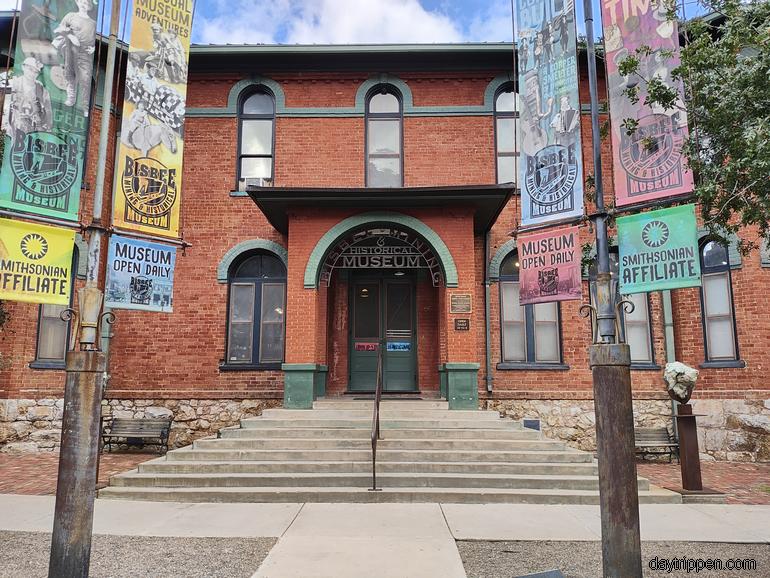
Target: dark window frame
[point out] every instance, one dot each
(735, 361)
(392, 116)
(244, 96)
(256, 344)
(55, 364)
(530, 337)
(514, 114)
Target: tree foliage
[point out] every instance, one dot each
(725, 69)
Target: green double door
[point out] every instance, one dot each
(382, 318)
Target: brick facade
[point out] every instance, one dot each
(166, 357)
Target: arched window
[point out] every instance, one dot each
(721, 341)
(256, 129)
(637, 325)
(256, 311)
(384, 142)
(530, 333)
(52, 332)
(506, 143)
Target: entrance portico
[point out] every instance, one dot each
(400, 282)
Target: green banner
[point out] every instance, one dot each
(48, 114)
(659, 250)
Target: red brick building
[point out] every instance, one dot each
(343, 200)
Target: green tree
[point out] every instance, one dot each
(725, 68)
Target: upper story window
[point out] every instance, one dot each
(717, 303)
(636, 325)
(384, 142)
(530, 333)
(257, 303)
(506, 145)
(256, 131)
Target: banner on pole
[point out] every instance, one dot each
(658, 250)
(648, 164)
(140, 275)
(152, 132)
(549, 266)
(45, 143)
(551, 167)
(35, 263)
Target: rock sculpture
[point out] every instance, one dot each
(680, 381)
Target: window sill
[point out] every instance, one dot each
(249, 367)
(737, 364)
(645, 366)
(239, 194)
(43, 364)
(533, 366)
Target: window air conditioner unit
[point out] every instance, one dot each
(246, 182)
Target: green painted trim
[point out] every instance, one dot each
(497, 259)
(333, 235)
(299, 385)
(300, 366)
(247, 83)
(493, 87)
(370, 83)
(82, 264)
(223, 269)
(462, 385)
(732, 247)
(468, 47)
(455, 365)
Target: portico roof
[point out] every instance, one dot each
(486, 200)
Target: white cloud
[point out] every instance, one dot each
(494, 25)
(9, 4)
(323, 22)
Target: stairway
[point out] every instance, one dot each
(427, 454)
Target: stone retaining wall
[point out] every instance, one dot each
(28, 425)
(732, 430)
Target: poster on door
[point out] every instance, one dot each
(549, 266)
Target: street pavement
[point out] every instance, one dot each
(393, 540)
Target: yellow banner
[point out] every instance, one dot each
(149, 182)
(35, 263)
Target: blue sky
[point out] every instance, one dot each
(354, 21)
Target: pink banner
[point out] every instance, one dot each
(648, 164)
(549, 266)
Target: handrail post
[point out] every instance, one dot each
(376, 420)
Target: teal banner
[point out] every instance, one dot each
(659, 250)
(48, 113)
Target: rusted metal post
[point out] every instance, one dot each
(618, 488)
(610, 362)
(689, 454)
(76, 486)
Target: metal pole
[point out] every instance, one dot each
(76, 483)
(610, 363)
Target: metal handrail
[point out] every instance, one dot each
(376, 421)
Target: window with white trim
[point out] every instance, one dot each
(384, 138)
(506, 142)
(718, 315)
(256, 132)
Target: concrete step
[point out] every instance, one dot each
(359, 495)
(361, 480)
(347, 403)
(538, 456)
(313, 422)
(386, 413)
(161, 465)
(384, 444)
(360, 433)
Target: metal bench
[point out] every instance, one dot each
(655, 441)
(136, 432)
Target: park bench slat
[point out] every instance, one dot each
(140, 432)
(647, 440)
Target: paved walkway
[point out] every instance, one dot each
(379, 540)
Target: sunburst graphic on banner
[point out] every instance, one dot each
(655, 234)
(34, 246)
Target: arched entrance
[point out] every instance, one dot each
(383, 278)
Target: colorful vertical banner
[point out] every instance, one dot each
(152, 133)
(35, 263)
(140, 275)
(45, 143)
(647, 164)
(551, 167)
(549, 266)
(658, 250)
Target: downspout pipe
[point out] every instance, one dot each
(487, 330)
(668, 332)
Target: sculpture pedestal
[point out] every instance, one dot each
(689, 455)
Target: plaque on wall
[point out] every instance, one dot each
(460, 303)
(462, 324)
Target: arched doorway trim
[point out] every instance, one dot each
(338, 231)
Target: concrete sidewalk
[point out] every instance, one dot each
(379, 540)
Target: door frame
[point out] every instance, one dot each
(382, 277)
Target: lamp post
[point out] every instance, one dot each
(610, 362)
(86, 368)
